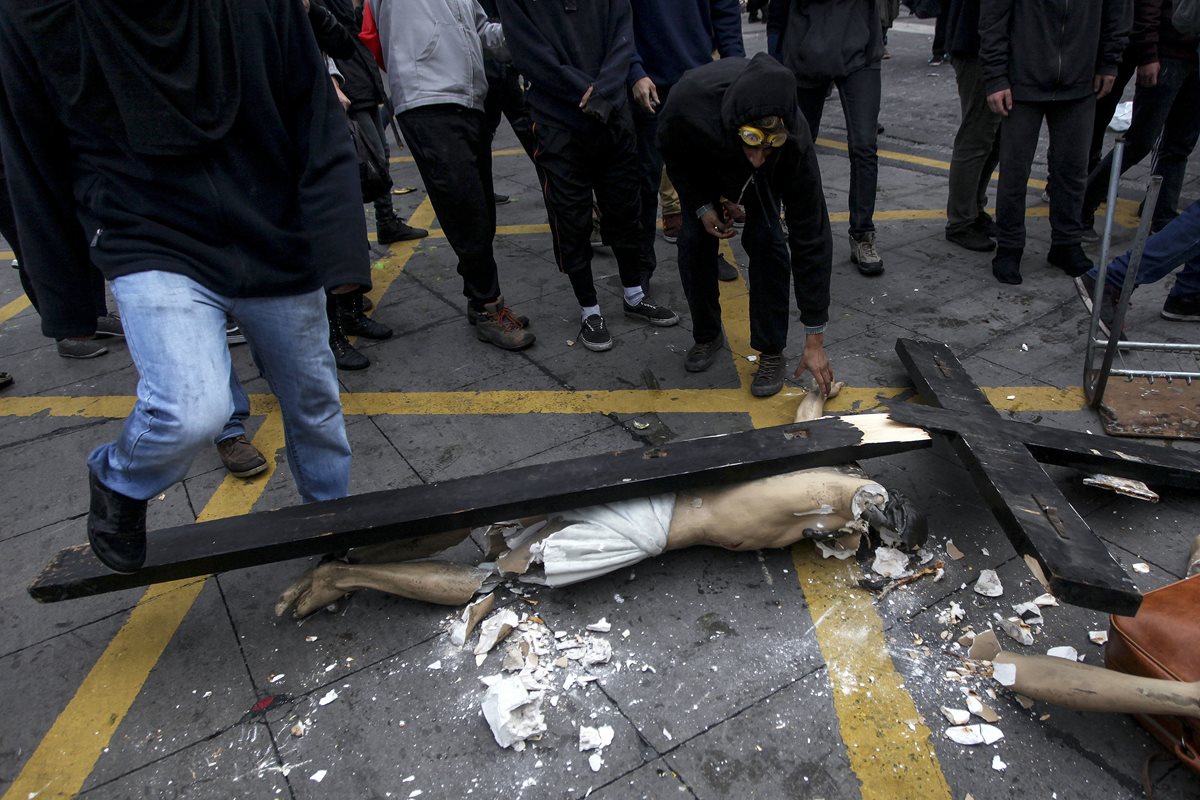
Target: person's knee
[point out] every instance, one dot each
(196, 417)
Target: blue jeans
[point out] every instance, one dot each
(1177, 243)
(175, 330)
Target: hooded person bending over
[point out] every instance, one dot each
(733, 128)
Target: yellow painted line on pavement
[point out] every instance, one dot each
(13, 307)
(775, 410)
(508, 151)
(68, 752)
(7, 255)
(888, 746)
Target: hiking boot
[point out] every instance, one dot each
(864, 254)
(1006, 265)
(499, 325)
(80, 348)
(647, 311)
(109, 325)
(1184, 308)
(735, 215)
(116, 528)
(344, 354)
(593, 334)
(241, 458)
(354, 322)
(1070, 258)
(768, 380)
(701, 355)
(393, 229)
(1085, 285)
(725, 270)
(672, 224)
(971, 238)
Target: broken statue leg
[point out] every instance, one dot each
(441, 582)
(1088, 688)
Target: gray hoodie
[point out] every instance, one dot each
(433, 51)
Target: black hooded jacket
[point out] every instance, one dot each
(697, 134)
(265, 205)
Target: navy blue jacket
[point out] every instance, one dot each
(561, 53)
(671, 38)
(273, 208)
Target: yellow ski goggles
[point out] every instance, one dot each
(757, 137)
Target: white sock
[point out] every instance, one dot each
(634, 295)
(587, 311)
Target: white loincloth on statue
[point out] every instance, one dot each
(596, 540)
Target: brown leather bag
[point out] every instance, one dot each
(1163, 641)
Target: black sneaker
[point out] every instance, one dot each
(1070, 258)
(768, 380)
(1085, 286)
(702, 355)
(936, 60)
(1184, 308)
(971, 238)
(502, 199)
(394, 229)
(116, 528)
(647, 311)
(1006, 265)
(593, 334)
(985, 223)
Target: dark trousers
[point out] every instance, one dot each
(371, 126)
(769, 275)
(1168, 110)
(453, 153)
(976, 148)
(575, 165)
(506, 97)
(859, 92)
(939, 30)
(1070, 124)
(650, 162)
(1106, 107)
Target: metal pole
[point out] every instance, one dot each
(1114, 179)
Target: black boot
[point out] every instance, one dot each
(353, 320)
(1006, 265)
(344, 353)
(116, 528)
(1070, 258)
(390, 228)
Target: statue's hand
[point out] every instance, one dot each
(311, 592)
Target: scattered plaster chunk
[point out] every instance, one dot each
(1141, 567)
(974, 734)
(1030, 613)
(329, 697)
(494, 629)
(1065, 652)
(890, 562)
(595, 738)
(955, 716)
(988, 584)
(435, 665)
(1045, 600)
(602, 625)
(318, 776)
(1017, 631)
(1098, 637)
(998, 765)
(595, 762)
(952, 551)
(1005, 674)
(511, 712)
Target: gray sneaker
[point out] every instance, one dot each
(80, 348)
(864, 254)
(109, 325)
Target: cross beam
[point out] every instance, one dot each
(1002, 457)
(335, 525)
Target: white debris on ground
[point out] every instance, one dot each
(1066, 651)
(512, 712)
(974, 734)
(988, 584)
(1098, 637)
(890, 562)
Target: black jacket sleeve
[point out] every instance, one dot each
(994, 25)
(1114, 35)
(54, 247)
(810, 239)
(726, 18)
(332, 37)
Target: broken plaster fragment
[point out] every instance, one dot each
(328, 698)
(998, 765)
(890, 562)
(1004, 673)
(464, 626)
(985, 647)
(988, 584)
(494, 629)
(1065, 652)
(595, 762)
(597, 651)
(510, 712)
(841, 547)
(594, 738)
(1141, 567)
(641, 426)
(298, 729)
(974, 734)
(1016, 630)
(602, 625)
(1030, 613)
(1098, 637)
(955, 716)
(318, 776)
(952, 551)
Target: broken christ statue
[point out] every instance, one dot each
(832, 505)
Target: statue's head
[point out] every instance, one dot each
(898, 521)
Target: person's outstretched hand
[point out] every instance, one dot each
(816, 362)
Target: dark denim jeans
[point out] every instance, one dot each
(1177, 243)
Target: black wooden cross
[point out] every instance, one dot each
(1003, 458)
